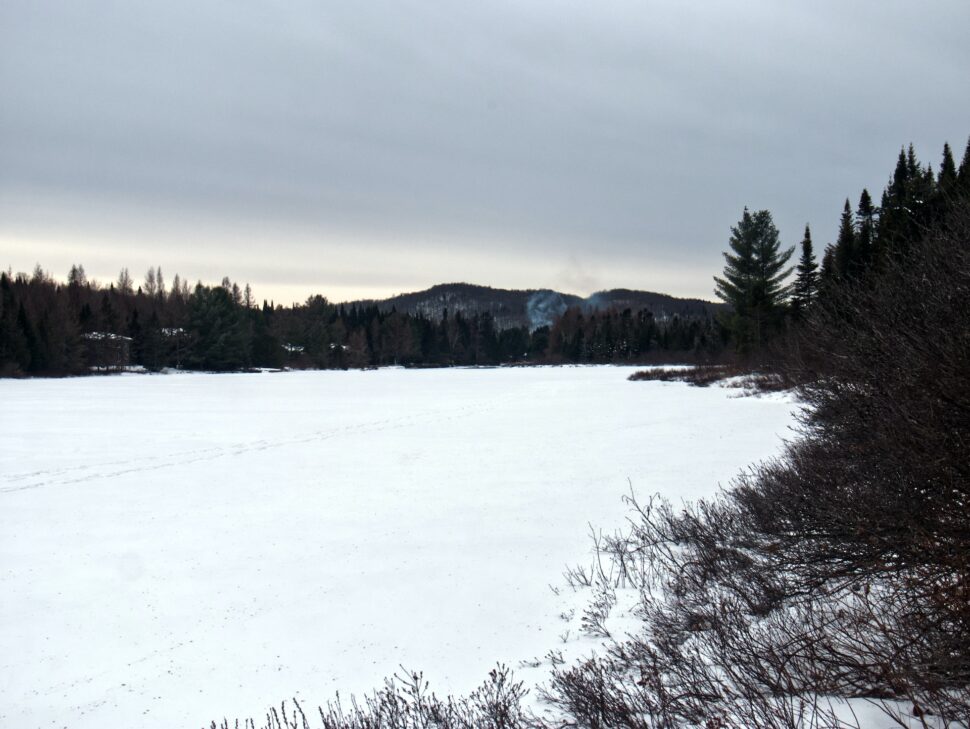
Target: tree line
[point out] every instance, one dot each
(767, 302)
(49, 327)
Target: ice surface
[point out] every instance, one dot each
(178, 548)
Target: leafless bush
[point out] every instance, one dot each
(700, 376)
(747, 377)
(406, 702)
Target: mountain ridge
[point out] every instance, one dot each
(533, 307)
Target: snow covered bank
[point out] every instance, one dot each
(173, 549)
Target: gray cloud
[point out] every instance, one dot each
(616, 142)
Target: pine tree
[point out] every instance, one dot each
(945, 192)
(108, 317)
(827, 272)
(963, 174)
(14, 352)
(897, 188)
(34, 358)
(947, 179)
(220, 341)
(913, 169)
(865, 218)
(805, 288)
(894, 220)
(753, 282)
(845, 245)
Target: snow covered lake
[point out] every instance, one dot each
(178, 548)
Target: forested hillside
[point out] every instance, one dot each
(52, 328)
(535, 308)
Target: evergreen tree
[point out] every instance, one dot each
(267, 349)
(963, 174)
(108, 318)
(845, 245)
(219, 338)
(137, 337)
(753, 282)
(913, 169)
(865, 218)
(14, 352)
(947, 178)
(894, 220)
(827, 271)
(805, 288)
(36, 357)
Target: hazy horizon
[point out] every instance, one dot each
(363, 152)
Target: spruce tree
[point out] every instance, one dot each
(893, 221)
(963, 174)
(845, 244)
(14, 352)
(753, 281)
(944, 194)
(827, 272)
(220, 342)
(865, 230)
(947, 179)
(897, 188)
(805, 288)
(913, 169)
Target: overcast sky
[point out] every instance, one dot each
(368, 148)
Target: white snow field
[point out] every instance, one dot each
(174, 549)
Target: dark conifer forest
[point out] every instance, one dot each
(52, 328)
(769, 305)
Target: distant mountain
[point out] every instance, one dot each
(533, 307)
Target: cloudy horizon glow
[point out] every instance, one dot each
(360, 151)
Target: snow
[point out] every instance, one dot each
(178, 548)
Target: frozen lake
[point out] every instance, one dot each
(178, 548)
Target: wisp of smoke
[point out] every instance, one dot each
(543, 307)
